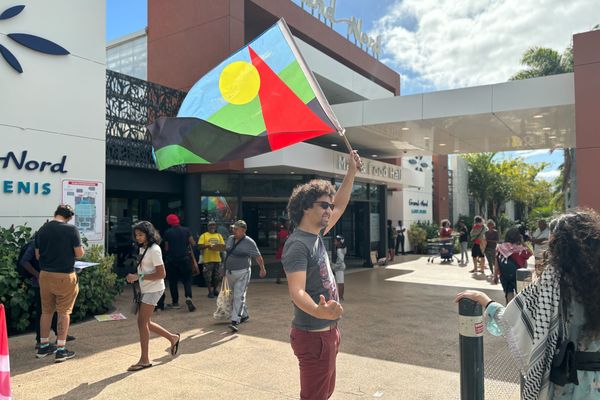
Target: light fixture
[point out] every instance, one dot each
(546, 128)
(426, 137)
(405, 128)
(538, 116)
(442, 144)
(333, 145)
(256, 172)
(292, 172)
(374, 155)
(552, 137)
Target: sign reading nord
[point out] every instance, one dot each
(23, 161)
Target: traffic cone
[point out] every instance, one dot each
(5, 393)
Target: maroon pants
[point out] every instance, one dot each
(316, 352)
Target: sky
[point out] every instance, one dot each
(441, 44)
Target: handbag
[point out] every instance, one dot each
(564, 367)
(224, 302)
(137, 291)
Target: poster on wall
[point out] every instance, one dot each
(86, 198)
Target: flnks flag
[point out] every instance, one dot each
(260, 99)
(5, 393)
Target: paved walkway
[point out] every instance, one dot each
(399, 341)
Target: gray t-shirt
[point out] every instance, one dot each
(241, 256)
(305, 251)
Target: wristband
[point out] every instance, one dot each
(141, 277)
(489, 302)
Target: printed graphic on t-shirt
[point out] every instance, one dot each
(325, 272)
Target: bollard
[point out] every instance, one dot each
(523, 279)
(471, 327)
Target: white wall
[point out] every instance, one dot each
(460, 193)
(55, 108)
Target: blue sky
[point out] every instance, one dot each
(440, 44)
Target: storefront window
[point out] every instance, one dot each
(220, 183)
(359, 191)
(270, 185)
(221, 209)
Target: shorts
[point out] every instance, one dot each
(339, 276)
(58, 292)
(508, 278)
(152, 298)
(476, 251)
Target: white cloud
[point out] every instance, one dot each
(548, 175)
(460, 43)
(531, 153)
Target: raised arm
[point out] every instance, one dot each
(342, 196)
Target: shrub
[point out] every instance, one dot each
(417, 235)
(98, 285)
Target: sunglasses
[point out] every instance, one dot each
(325, 205)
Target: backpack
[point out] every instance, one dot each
(20, 269)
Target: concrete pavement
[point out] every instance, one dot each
(399, 341)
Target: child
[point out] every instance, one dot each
(338, 264)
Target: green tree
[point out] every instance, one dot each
(542, 61)
(482, 176)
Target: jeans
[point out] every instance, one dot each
(316, 353)
(238, 282)
(464, 251)
(179, 270)
(400, 242)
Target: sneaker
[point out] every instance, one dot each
(244, 319)
(63, 355)
(233, 326)
(70, 338)
(211, 295)
(191, 307)
(44, 351)
(173, 306)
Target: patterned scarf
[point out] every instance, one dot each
(530, 323)
(507, 249)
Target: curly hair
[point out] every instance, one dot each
(303, 197)
(574, 249)
(149, 230)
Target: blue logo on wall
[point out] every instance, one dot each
(30, 41)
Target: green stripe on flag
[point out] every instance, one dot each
(293, 76)
(175, 154)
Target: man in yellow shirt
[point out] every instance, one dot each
(211, 244)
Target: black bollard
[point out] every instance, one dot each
(471, 328)
(523, 279)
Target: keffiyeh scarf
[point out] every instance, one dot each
(530, 323)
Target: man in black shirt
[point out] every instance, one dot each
(178, 241)
(56, 246)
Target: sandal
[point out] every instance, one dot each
(175, 347)
(138, 367)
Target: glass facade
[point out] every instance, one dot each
(129, 57)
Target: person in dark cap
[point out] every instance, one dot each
(178, 246)
(240, 251)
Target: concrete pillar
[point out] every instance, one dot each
(192, 202)
(586, 54)
(440, 188)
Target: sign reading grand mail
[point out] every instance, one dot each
(354, 25)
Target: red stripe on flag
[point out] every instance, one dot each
(5, 392)
(287, 119)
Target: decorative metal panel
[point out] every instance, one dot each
(131, 105)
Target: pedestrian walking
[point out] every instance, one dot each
(492, 237)
(552, 327)
(241, 249)
(478, 235)
(314, 208)
(400, 229)
(339, 266)
(211, 243)
(150, 275)
(178, 257)
(282, 236)
(510, 256)
(464, 242)
(57, 245)
(391, 240)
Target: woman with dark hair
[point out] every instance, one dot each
(478, 235)
(510, 256)
(561, 307)
(150, 275)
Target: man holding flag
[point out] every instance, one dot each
(314, 208)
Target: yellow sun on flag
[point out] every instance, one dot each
(239, 82)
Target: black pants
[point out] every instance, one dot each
(400, 242)
(38, 314)
(179, 270)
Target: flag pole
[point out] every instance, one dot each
(348, 145)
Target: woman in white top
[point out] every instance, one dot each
(339, 265)
(150, 274)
